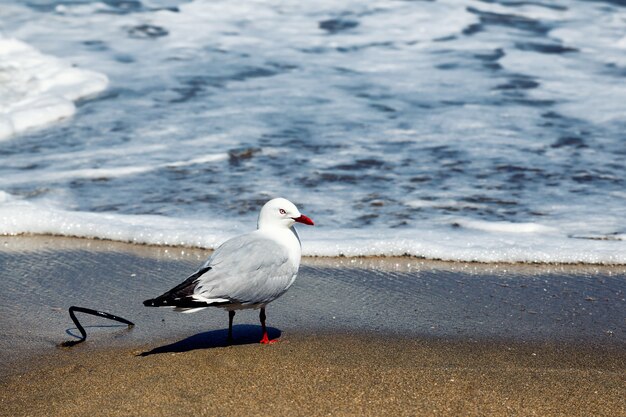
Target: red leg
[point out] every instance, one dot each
(265, 339)
(231, 315)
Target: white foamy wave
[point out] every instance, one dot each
(455, 129)
(199, 160)
(38, 89)
(466, 245)
(4, 197)
(22, 217)
(590, 97)
(420, 203)
(105, 172)
(506, 227)
(470, 241)
(593, 89)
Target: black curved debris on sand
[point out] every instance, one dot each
(74, 309)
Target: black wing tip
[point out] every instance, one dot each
(156, 302)
(179, 302)
(182, 303)
(179, 296)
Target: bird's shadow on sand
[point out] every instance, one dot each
(244, 334)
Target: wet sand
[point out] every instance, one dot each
(358, 337)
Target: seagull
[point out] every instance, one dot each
(247, 271)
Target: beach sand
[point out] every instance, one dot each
(325, 375)
(357, 337)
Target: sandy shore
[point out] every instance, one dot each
(325, 375)
(358, 337)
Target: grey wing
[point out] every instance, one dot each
(247, 270)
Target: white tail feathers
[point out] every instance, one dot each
(188, 310)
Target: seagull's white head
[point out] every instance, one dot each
(281, 212)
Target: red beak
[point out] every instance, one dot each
(304, 219)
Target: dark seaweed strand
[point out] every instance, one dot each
(81, 329)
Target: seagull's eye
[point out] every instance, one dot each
(281, 211)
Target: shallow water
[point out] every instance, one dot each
(460, 130)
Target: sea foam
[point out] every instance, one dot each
(469, 241)
(455, 129)
(38, 89)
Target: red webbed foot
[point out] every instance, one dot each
(266, 340)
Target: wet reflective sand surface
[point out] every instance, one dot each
(400, 297)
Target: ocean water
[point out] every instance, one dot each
(486, 130)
